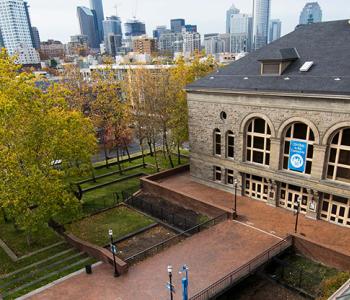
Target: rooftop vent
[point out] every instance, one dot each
(306, 66)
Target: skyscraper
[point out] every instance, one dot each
(240, 33)
(177, 24)
(88, 26)
(232, 11)
(134, 27)
(36, 37)
(312, 13)
(97, 6)
(16, 31)
(275, 30)
(261, 19)
(158, 31)
(113, 36)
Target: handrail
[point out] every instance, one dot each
(212, 289)
(184, 233)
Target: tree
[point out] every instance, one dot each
(42, 144)
(110, 112)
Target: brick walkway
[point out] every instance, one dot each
(210, 255)
(256, 213)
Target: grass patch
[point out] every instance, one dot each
(17, 241)
(121, 220)
(303, 273)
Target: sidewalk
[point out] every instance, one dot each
(210, 255)
(278, 221)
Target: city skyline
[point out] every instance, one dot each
(49, 25)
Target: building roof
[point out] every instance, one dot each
(326, 44)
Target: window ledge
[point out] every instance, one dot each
(334, 183)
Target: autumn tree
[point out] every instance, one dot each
(110, 112)
(42, 144)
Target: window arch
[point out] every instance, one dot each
(258, 142)
(230, 144)
(303, 133)
(217, 142)
(339, 156)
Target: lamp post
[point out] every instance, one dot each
(170, 272)
(235, 183)
(297, 215)
(113, 249)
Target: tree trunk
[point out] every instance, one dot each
(178, 154)
(155, 155)
(29, 239)
(4, 215)
(163, 148)
(93, 173)
(165, 138)
(149, 142)
(143, 154)
(127, 151)
(118, 160)
(106, 155)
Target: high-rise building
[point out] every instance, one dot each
(312, 13)
(275, 30)
(232, 11)
(97, 7)
(261, 19)
(159, 31)
(36, 38)
(215, 43)
(190, 28)
(88, 26)
(78, 45)
(134, 27)
(191, 42)
(144, 45)
(177, 24)
(113, 35)
(240, 33)
(16, 31)
(170, 43)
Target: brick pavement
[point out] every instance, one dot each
(256, 213)
(210, 255)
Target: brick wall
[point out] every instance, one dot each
(322, 254)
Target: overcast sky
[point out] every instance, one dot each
(56, 19)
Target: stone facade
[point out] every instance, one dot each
(325, 115)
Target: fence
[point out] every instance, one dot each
(161, 213)
(229, 280)
(175, 239)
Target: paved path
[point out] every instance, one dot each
(256, 213)
(210, 255)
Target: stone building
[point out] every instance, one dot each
(278, 122)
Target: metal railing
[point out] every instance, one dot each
(226, 282)
(175, 239)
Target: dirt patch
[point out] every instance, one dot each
(144, 241)
(173, 214)
(257, 288)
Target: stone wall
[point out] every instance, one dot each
(324, 115)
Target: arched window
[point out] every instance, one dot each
(230, 144)
(299, 132)
(339, 157)
(217, 142)
(258, 142)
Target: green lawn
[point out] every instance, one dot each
(121, 220)
(16, 240)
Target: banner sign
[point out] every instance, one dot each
(297, 156)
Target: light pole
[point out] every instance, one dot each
(235, 183)
(170, 272)
(113, 249)
(184, 282)
(297, 215)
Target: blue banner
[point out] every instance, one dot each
(297, 156)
